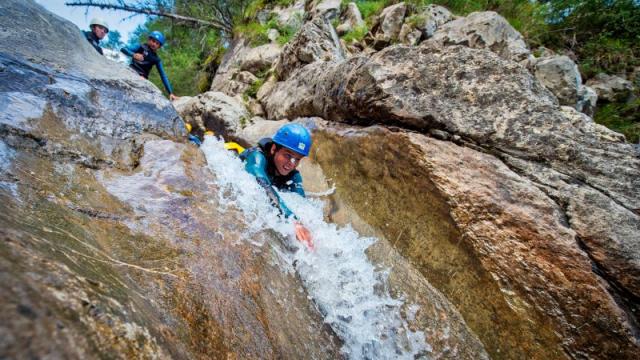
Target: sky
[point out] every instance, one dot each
(81, 16)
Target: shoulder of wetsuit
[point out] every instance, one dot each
(265, 145)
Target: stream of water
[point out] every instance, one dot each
(348, 290)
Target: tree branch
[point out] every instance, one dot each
(151, 11)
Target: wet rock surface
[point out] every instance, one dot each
(497, 246)
(111, 241)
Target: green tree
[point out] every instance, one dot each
(114, 40)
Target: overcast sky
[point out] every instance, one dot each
(81, 16)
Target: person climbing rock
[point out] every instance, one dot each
(273, 162)
(145, 56)
(99, 29)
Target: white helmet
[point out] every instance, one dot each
(99, 21)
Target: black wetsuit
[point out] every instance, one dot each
(260, 164)
(93, 40)
(143, 68)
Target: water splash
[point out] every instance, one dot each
(346, 287)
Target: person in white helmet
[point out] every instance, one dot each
(99, 29)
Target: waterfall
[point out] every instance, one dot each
(348, 290)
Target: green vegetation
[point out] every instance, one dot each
(257, 33)
(623, 118)
(356, 34)
(189, 57)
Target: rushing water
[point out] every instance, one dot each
(348, 290)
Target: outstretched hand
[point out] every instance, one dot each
(303, 235)
(172, 97)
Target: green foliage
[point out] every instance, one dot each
(114, 40)
(604, 34)
(369, 8)
(257, 33)
(188, 56)
(623, 118)
(356, 34)
(252, 91)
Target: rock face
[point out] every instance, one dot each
(560, 75)
(434, 17)
(587, 99)
(491, 240)
(316, 41)
(231, 77)
(389, 24)
(351, 19)
(214, 111)
(496, 105)
(483, 30)
(325, 8)
(611, 88)
(111, 242)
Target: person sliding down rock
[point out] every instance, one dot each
(99, 29)
(144, 57)
(273, 162)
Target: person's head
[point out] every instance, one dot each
(291, 143)
(156, 40)
(99, 28)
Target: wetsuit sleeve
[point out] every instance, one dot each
(296, 186)
(129, 51)
(256, 165)
(164, 78)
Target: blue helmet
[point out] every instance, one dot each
(294, 137)
(157, 35)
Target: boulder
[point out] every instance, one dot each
(432, 18)
(560, 75)
(260, 58)
(483, 30)
(292, 15)
(611, 88)
(387, 29)
(273, 35)
(224, 115)
(230, 77)
(516, 265)
(350, 19)
(316, 41)
(325, 8)
(587, 99)
(409, 35)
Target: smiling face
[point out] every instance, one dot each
(285, 160)
(99, 31)
(153, 44)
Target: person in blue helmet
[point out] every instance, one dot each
(273, 162)
(144, 57)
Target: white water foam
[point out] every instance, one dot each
(346, 287)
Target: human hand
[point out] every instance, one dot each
(138, 57)
(172, 97)
(303, 235)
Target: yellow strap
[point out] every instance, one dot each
(233, 146)
(188, 126)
